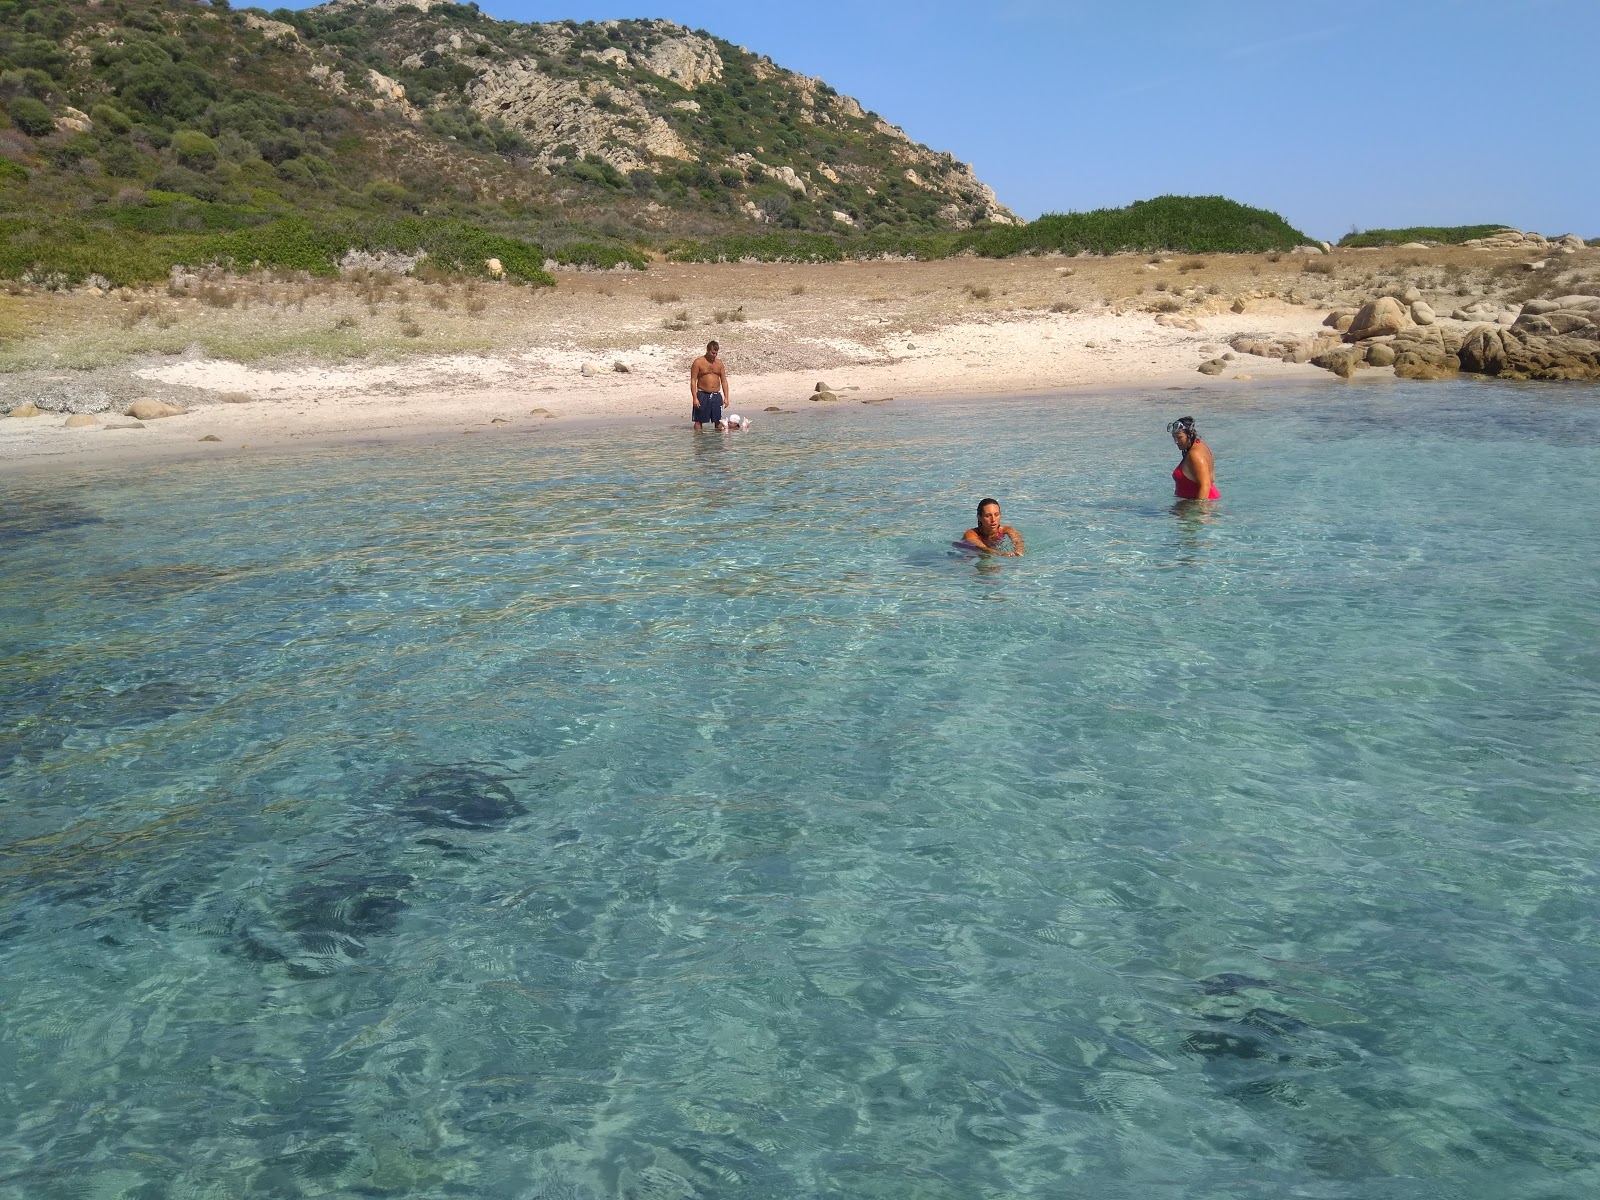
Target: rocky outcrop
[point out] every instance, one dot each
(1284, 347)
(1385, 315)
(1549, 339)
(622, 104)
(687, 59)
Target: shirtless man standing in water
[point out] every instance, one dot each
(990, 535)
(708, 387)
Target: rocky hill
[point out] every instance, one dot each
(637, 131)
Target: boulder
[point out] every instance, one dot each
(591, 369)
(1410, 296)
(211, 437)
(1333, 319)
(821, 387)
(1410, 365)
(151, 410)
(1535, 266)
(26, 409)
(1341, 360)
(1378, 317)
(823, 396)
(1482, 351)
(1380, 354)
(494, 267)
(773, 408)
(1570, 241)
(1212, 366)
(1422, 313)
(1237, 306)
(1558, 322)
(621, 368)
(81, 421)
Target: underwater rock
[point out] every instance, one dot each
(27, 520)
(459, 796)
(360, 907)
(103, 708)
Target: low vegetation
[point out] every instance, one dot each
(1444, 235)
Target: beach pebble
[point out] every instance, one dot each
(592, 369)
(823, 396)
(538, 412)
(26, 409)
(773, 408)
(499, 421)
(150, 410)
(1212, 366)
(211, 437)
(81, 421)
(621, 368)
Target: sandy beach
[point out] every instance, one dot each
(267, 364)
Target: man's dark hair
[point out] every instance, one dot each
(985, 502)
(712, 346)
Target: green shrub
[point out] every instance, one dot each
(1192, 224)
(1449, 235)
(191, 183)
(31, 116)
(599, 256)
(194, 149)
(110, 119)
(13, 171)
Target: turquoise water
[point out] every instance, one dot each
(657, 816)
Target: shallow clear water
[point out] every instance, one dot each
(660, 816)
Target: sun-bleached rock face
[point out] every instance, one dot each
(273, 30)
(553, 113)
(687, 59)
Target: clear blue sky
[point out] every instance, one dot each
(1439, 112)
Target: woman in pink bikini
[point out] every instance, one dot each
(1195, 475)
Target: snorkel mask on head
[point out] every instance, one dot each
(1183, 425)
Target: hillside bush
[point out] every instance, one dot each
(599, 256)
(31, 116)
(1447, 235)
(194, 149)
(109, 119)
(71, 250)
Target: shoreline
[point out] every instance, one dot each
(269, 364)
(775, 361)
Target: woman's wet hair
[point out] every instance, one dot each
(1183, 425)
(984, 503)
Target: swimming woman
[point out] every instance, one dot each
(1195, 475)
(990, 535)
